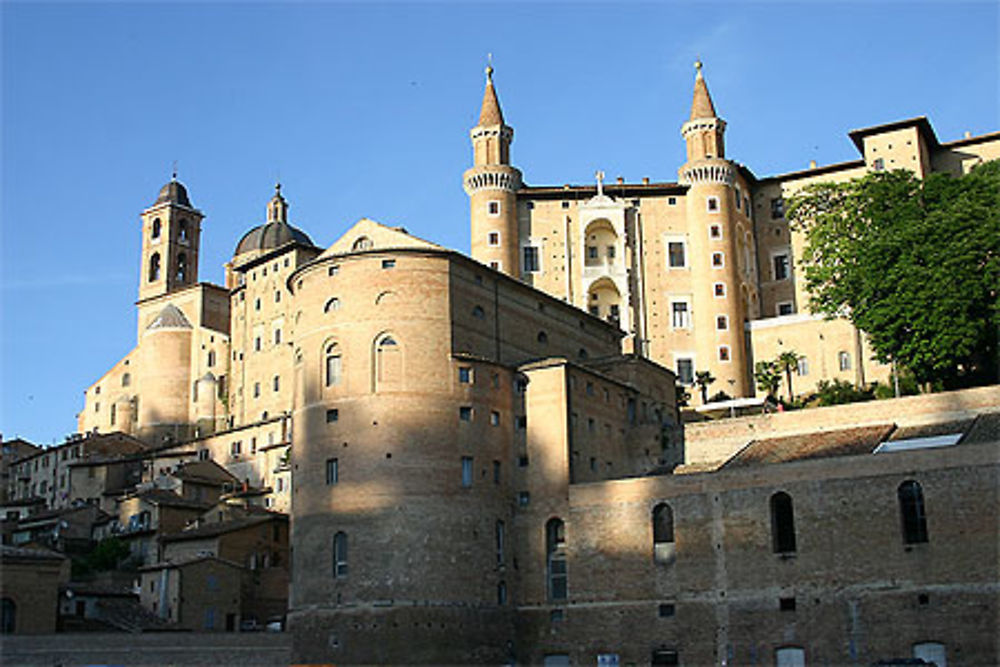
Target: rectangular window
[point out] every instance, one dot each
(667, 610)
(777, 207)
(844, 361)
(685, 370)
(671, 201)
(500, 539)
(332, 415)
(333, 270)
(494, 418)
(465, 374)
(493, 238)
(531, 259)
(496, 472)
(592, 252)
(388, 263)
(277, 336)
(677, 254)
(780, 262)
(611, 253)
(785, 308)
(718, 260)
(719, 289)
(878, 164)
(680, 315)
(332, 471)
(712, 204)
(493, 208)
(723, 353)
(466, 471)
(234, 448)
(465, 413)
(715, 231)
(803, 368)
(721, 322)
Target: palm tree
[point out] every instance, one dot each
(787, 361)
(768, 377)
(703, 379)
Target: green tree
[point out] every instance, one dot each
(767, 376)
(703, 379)
(914, 264)
(786, 363)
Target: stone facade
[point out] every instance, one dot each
(700, 272)
(29, 589)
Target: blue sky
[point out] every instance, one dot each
(363, 110)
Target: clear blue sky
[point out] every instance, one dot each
(364, 110)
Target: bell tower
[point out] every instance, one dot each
(492, 186)
(171, 234)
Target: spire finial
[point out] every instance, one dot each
(698, 66)
(599, 175)
(173, 175)
(489, 67)
(277, 188)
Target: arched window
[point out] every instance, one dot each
(155, 234)
(182, 267)
(385, 297)
(340, 555)
(542, 337)
(555, 559)
(582, 353)
(8, 616)
(333, 365)
(362, 243)
(154, 267)
(126, 379)
(388, 361)
(663, 533)
(182, 231)
(782, 523)
(332, 304)
(911, 508)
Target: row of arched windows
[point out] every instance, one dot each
(155, 267)
(183, 233)
(388, 364)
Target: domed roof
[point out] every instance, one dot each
(173, 193)
(271, 235)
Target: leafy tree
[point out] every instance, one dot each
(719, 396)
(839, 392)
(914, 264)
(787, 362)
(767, 376)
(703, 379)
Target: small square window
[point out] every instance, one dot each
(671, 201)
(723, 353)
(667, 610)
(721, 322)
(718, 260)
(333, 270)
(465, 375)
(715, 231)
(388, 263)
(495, 265)
(493, 208)
(565, 204)
(332, 415)
(522, 461)
(493, 238)
(523, 498)
(785, 308)
(786, 604)
(712, 204)
(719, 289)
(465, 413)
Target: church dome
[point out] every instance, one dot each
(269, 236)
(173, 193)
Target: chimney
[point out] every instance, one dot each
(621, 181)
(645, 180)
(812, 164)
(968, 135)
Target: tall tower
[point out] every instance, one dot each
(492, 186)
(715, 236)
(171, 233)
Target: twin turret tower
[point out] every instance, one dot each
(670, 263)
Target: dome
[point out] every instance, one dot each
(269, 236)
(173, 193)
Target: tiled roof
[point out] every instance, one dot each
(169, 318)
(985, 428)
(28, 553)
(169, 499)
(205, 471)
(223, 527)
(932, 430)
(822, 444)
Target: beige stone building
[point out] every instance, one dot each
(700, 272)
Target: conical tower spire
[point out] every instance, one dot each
(701, 104)
(490, 113)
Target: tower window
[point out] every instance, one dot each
(723, 353)
(663, 533)
(676, 254)
(340, 555)
(332, 471)
(276, 382)
(182, 267)
(715, 231)
(721, 322)
(332, 365)
(182, 231)
(555, 559)
(712, 204)
(331, 305)
(155, 234)
(493, 238)
(493, 208)
(466, 471)
(719, 289)
(154, 267)
(718, 260)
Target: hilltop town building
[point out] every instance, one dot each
(482, 457)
